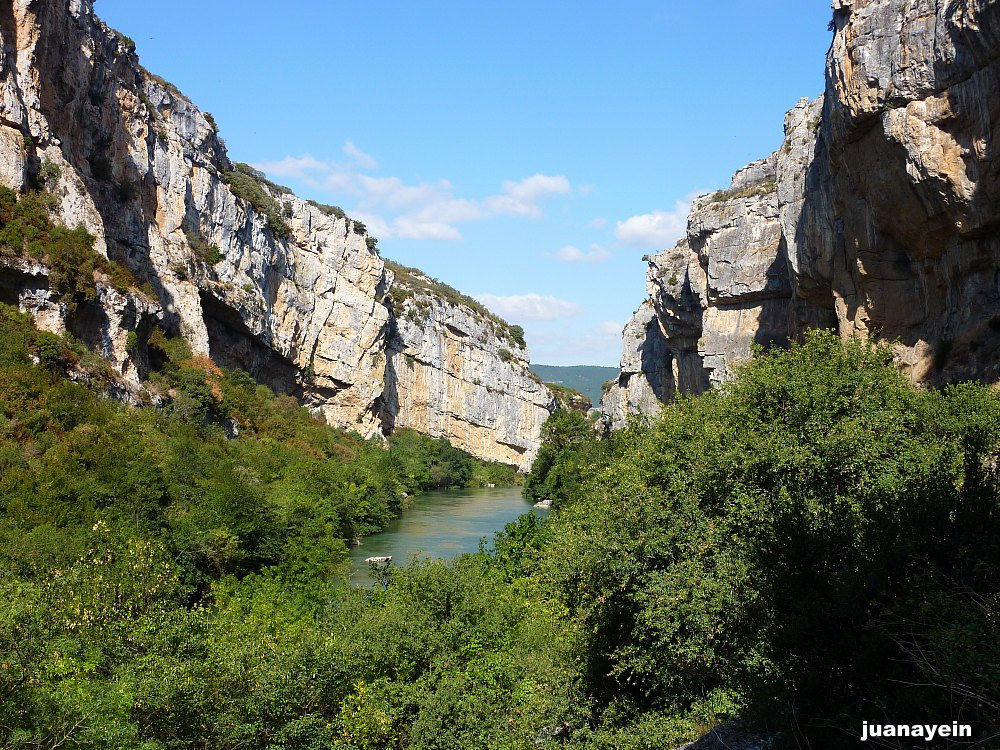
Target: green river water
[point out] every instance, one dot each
(441, 524)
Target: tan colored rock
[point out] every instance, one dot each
(451, 374)
(304, 312)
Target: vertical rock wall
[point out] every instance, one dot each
(284, 289)
(878, 216)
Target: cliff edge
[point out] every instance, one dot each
(877, 216)
(291, 291)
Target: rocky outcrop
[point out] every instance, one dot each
(292, 292)
(451, 370)
(877, 216)
(647, 375)
(111, 325)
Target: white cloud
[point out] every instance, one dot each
(598, 223)
(422, 210)
(610, 328)
(570, 254)
(299, 167)
(537, 186)
(601, 345)
(530, 306)
(363, 160)
(657, 229)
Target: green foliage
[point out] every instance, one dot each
(814, 545)
(570, 447)
(206, 253)
(763, 188)
(453, 656)
(412, 281)
(767, 550)
(126, 41)
(426, 463)
(335, 211)
(568, 398)
(517, 335)
(25, 229)
(49, 173)
(251, 186)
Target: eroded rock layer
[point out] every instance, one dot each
(292, 292)
(877, 216)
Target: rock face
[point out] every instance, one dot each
(451, 370)
(878, 216)
(292, 292)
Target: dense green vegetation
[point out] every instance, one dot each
(251, 186)
(140, 543)
(26, 230)
(813, 546)
(569, 453)
(427, 463)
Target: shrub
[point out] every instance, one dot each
(758, 551)
(126, 41)
(409, 281)
(49, 173)
(25, 228)
(250, 185)
(335, 211)
(517, 335)
(752, 191)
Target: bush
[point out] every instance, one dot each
(249, 185)
(25, 228)
(409, 282)
(203, 252)
(569, 448)
(49, 173)
(335, 211)
(754, 551)
(517, 335)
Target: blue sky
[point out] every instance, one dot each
(528, 154)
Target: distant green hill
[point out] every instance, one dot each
(584, 378)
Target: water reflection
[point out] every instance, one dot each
(441, 524)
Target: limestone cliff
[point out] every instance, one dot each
(451, 364)
(293, 292)
(877, 216)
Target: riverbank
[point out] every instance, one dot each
(442, 524)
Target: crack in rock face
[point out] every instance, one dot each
(293, 292)
(878, 217)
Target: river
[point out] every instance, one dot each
(441, 524)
